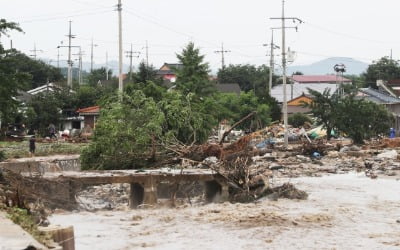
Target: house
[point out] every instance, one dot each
(71, 120)
(48, 87)
(379, 97)
(301, 83)
(167, 72)
(90, 115)
(296, 105)
(297, 89)
(393, 85)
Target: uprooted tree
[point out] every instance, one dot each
(150, 123)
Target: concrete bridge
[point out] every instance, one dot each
(68, 179)
(144, 183)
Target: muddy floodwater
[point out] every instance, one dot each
(348, 211)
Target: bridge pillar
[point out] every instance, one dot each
(150, 192)
(136, 195)
(216, 191)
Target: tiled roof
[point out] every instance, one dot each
(377, 96)
(89, 110)
(168, 68)
(319, 79)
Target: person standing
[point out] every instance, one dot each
(52, 131)
(32, 146)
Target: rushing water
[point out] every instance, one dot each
(342, 212)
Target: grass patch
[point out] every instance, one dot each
(21, 149)
(27, 221)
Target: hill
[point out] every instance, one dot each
(353, 67)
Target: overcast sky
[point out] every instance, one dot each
(363, 30)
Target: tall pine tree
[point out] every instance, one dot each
(192, 76)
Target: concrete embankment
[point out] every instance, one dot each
(44, 164)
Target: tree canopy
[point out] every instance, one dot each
(249, 77)
(192, 76)
(384, 69)
(357, 118)
(11, 80)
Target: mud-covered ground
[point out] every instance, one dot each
(343, 211)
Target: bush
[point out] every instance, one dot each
(298, 119)
(2, 156)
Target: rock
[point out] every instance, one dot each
(354, 148)
(344, 149)
(333, 154)
(275, 166)
(391, 154)
(303, 158)
(398, 221)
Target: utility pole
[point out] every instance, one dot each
(91, 55)
(271, 60)
(222, 51)
(106, 65)
(80, 54)
(147, 55)
(58, 57)
(131, 54)
(285, 114)
(69, 61)
(35, 51)
(69, 76)
(120, 83)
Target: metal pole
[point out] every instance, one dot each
(91, 56)
(285, 114)
(271, 63)
(80, 67)
(147, 55)
(69, 76)
(130, 63)
(107, 66)
(58, 57)
(120, 83)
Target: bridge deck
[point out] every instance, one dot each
(134, 176)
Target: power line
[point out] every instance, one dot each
(64, 17)
(348, 35)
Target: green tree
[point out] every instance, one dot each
(324, 108)
(361, 119)
(233, 107)
(6, 27)
(98, 75)
(384, 69)
(11, 80)
(126, 134)
(298, 119)
(147, 73)
(249, 77)
(192, 77)
(40, 72)
(43, 109)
